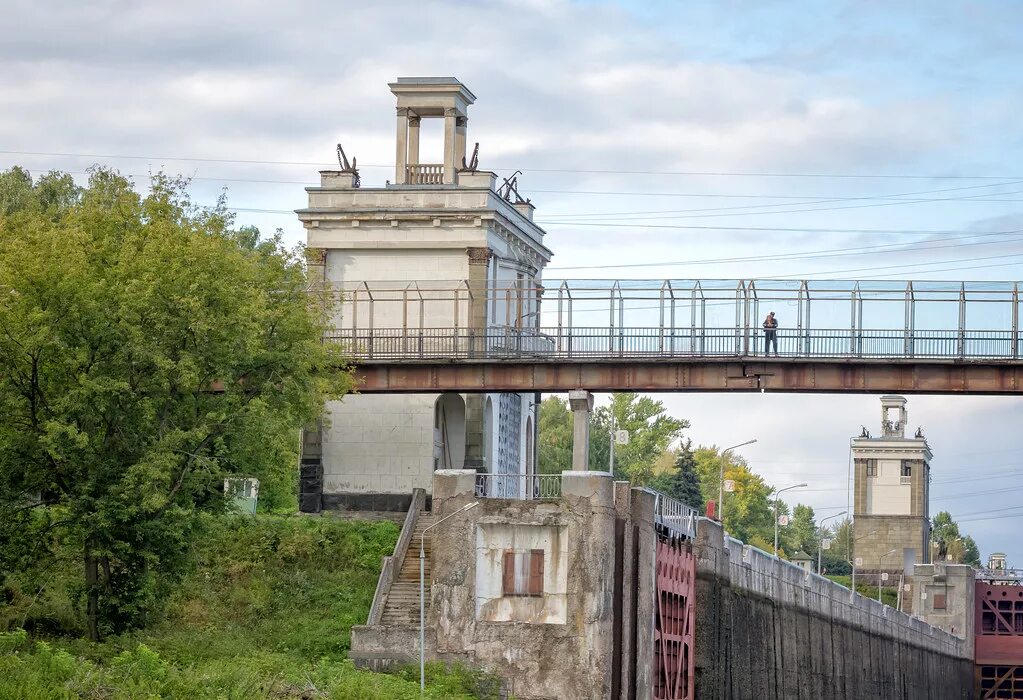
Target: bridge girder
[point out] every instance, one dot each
(703, 375)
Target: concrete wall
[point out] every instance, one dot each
(957, 584)
(768, 630)
(565, 654)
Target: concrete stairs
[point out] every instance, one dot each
(402, 607)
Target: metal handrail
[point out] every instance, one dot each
(527, 487)
(590, 343)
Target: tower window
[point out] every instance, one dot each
(907, 468)
(872, 467)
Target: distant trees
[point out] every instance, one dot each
(949, 544)
(681, 481)
(651, 433)
(147, 350)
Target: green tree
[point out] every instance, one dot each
(147, 350)
(836, 559)
(944, 533)
(682, 482)
(950, 544)
(802, 532)
(651, 433)
(971, 553)
(555, 440)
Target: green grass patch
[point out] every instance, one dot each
(264, 612)
(889, 596)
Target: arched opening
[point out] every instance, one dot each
(449, 432)
(488, 437)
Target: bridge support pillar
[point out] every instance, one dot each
(581, 402)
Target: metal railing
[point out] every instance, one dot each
(424, 174)
(531, 487)
(504, 343)
(678, 318)
(675, 516)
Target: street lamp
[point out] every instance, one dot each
(776, 499)
(853, 562)
(422, 602)
(880, 559)
(820, 526)
(721, 479)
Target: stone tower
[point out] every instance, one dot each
(438, 253)
(891, 511)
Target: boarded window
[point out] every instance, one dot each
(522, 573)
(939, 601)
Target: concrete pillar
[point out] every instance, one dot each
(452, 489)
(479, 259)
(460, 125)
(581, 402)
(413, 140)
(401, 148)
(450, 119)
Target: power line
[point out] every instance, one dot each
(828, 253)
(899, 197)
(685, 173)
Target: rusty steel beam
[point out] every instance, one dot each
(783, 375)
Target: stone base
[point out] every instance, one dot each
(396, 502)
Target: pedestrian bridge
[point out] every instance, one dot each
(684, 335)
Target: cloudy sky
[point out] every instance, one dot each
(874, 139)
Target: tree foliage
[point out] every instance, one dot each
(555, 440)
(147, 350)
(802, 533)
(651, 432)
(682, 482)
(949, 544)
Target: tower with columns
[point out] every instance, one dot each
(891, 512)
(438, 252)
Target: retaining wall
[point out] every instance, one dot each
(766, 629)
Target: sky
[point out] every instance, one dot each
(653, 137)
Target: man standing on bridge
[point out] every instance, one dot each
(770, 334)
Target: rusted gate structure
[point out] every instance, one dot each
(998, 640)
(675, 607)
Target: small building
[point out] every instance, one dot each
(802, 560)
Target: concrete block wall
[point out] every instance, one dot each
(538, 659)
(378, 445)
(766, 629)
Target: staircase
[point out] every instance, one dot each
(402, 607)
(391, 636)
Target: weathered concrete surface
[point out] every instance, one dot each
(765, 629)
(956, 585)
(537, 660)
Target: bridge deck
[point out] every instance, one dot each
(782, 374)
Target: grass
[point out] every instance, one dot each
(265, 612)
(889, 596)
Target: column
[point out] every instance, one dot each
(401, 153)
(479, 259)
(460, 124)
(581, 403)
(413, 140)
(450, 117)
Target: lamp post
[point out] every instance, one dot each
(721, 477)
(880, 559)
(820, 526)
(776, 499)
(422, 601)
(853, 558)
